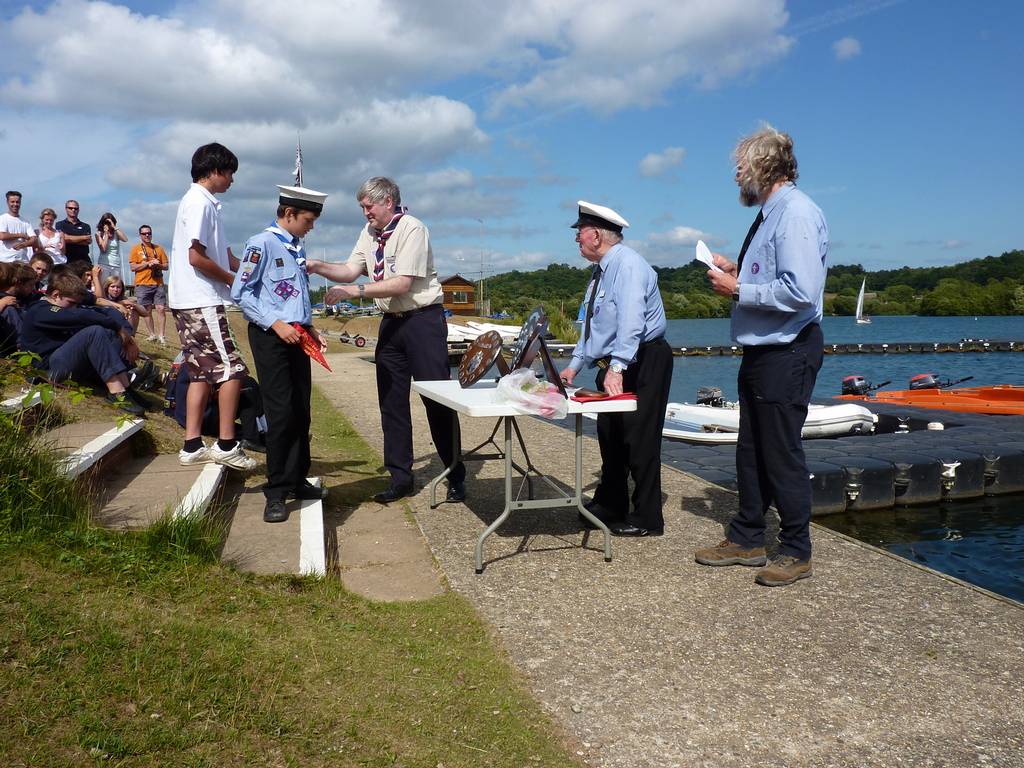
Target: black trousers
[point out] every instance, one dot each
(413, 347)
(285, 386)
(775, 384)
(631, 442)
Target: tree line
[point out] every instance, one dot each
(993, 285)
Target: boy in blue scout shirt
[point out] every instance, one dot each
(272, 288)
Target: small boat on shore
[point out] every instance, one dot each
(721, 424)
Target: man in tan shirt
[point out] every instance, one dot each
(394, 251)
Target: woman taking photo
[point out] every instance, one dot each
(51, 240)
(109, 239)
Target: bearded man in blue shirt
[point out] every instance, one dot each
(777, 287)
(624, 336)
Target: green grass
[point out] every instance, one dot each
(123, 649)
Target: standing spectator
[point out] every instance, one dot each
(148, 261)
(109, 238)
(17, 238)
(777, 286)
(203, 268)
(77, 234)
(394, 250)
(51, 240)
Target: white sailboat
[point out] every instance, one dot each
(861, 320)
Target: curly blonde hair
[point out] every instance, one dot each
(764, 158)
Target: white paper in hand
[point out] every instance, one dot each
(704, 256)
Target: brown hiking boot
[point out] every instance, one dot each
(727, 553)
(783, 570)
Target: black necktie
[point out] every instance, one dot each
(590, 304)
(750, 236)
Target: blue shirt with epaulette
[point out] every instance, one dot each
(782, 280)
(271, 283)
(628, 310)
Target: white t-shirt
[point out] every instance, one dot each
(18, 226)
(198, 219)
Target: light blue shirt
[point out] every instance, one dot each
(782, 281)
(627, 310)
(271, 283)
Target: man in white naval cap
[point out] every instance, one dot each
(272, 288)
(624, 336)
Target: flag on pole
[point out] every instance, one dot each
(298, 163)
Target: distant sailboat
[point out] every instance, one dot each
(861, 320)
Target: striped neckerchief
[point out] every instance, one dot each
(290, 242)
(381, 237)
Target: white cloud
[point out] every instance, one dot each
(657, 163)
(680, 236)
(846, 48)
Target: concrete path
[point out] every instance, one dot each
(652, 660)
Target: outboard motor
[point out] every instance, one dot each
(855, 385)
(924, 381)
(710, 396)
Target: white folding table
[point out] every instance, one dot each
(481, 400)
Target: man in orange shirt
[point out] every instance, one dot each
(148, 262)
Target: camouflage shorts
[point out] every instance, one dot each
(209, 349)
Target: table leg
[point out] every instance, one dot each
(579, 491)
(508, 500)
(448, 469)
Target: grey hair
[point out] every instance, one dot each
(610, 237)
(767, 158)
(378, 189)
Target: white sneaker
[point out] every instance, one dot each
(151, 337)
(198, 456)
(235, 458)
(162, 340)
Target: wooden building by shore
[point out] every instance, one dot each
(459, 295)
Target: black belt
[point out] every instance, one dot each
(411, 312)
(605, 361)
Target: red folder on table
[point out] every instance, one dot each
(311, 346)
(591, 396)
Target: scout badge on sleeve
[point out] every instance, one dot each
(311, 346)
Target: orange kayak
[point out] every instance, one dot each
(1006, 399)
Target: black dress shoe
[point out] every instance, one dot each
(456, 491)
(251, 446)
(275, 511)
(628, 529)
(603, 514)
(309, 492)
(393, 493)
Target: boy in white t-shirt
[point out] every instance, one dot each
(201, 272)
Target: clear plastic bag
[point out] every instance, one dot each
(532, 395)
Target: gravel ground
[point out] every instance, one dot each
(653, 660)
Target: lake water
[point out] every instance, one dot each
(979, 541)
(689, 373)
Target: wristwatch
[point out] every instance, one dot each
(736, 293)
(617, 367)
(362, 290)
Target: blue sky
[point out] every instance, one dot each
(906, 117)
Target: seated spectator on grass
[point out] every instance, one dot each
(42, 265)
(86, 344)
(17, 292)
(111, 289)
(251, 425)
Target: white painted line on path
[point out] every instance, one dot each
(78, 461)
(201, 493)
(312, 548)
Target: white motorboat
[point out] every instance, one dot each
(721, 424)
